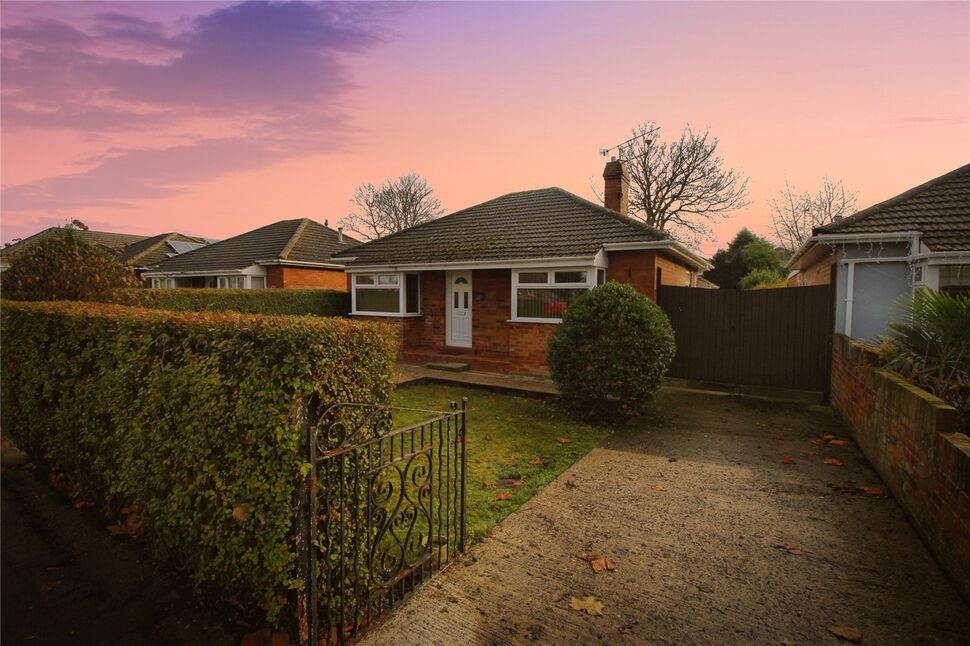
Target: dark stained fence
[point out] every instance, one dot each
(779, 338)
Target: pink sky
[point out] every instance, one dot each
(213, 118)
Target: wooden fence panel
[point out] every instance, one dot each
(770, 337)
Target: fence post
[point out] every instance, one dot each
(464, 470)
(303, 623)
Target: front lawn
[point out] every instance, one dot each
(507, 437)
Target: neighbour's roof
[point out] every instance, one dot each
(155, 249)
(939, 209)
(300, 240)
(115, 243)
(542, 223)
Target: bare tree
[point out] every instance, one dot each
(396, 205)
(794, 215)
(681, 186)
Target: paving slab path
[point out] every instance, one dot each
(692, 503)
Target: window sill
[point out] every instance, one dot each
(547, 321)
(387, 315)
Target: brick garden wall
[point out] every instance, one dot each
(911, 439)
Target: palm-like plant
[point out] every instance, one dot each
(931, 346)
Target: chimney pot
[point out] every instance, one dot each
(616, 186)
(340, 234)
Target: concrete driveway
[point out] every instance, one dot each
(692, 503)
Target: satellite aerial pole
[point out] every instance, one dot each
(605, 152)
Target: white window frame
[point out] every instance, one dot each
(163, 283)
(589, 283)
(401, 288)
(242, 278)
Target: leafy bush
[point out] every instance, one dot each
(611, 351)
(322, 302)
(931, 346)
(62, 266)
(761, 278)
(193, 417)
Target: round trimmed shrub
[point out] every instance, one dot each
(611, 351)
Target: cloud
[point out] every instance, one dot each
(269, 75)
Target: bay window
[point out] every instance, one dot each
(388, 294)
(542, 295)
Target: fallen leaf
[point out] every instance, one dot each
(828, 436)
(508, 419)
(598, 562)
(589, 605)
(788, 460)
(564, 440)
(791, 548)
(780, 438)
(488, 484)
(839, 442)
(835, 462)
(47, 586)
(848, 634)
(242, 512)
(537, 462)
(816, 442)
(658, 487)
(872, 491)
(505, 495)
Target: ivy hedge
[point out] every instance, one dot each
(322, 302)
(193, 417)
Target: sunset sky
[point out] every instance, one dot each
(216, 118)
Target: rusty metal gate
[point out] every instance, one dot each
(383, 510)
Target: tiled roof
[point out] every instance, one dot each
(154, 250)
(939, 209)
(543, 223)
(116, 243)
(301, 240)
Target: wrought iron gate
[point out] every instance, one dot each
(383, 511)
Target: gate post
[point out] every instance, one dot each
(303, 600)
(464, 471)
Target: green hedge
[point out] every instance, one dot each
(190, 416)
(322, 302)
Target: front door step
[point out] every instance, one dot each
(450, 366)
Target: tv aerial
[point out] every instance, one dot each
(605, 152)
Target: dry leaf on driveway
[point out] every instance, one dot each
(658, 487)
(816, 442)
(828, 436)
(835, 462)
(839, 442)
(872, 491)
(788, 460)
(564, 440)
(791, 548)
(505, 495)
(780, 438)
(848, 634)
(597, 561)
(589, 605)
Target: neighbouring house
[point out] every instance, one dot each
(285, 254)
(918, 238)
(489, 283)
(145, 254)
(113, 243)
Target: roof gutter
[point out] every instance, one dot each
(299, 263)
(671, 246)
(560, 261)
(849, 238)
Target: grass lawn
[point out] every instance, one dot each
(505, 433)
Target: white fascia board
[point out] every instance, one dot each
(252, 270)
(300, 263)
(558, 262)
(865, 237)
(671, 246)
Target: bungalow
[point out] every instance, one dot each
(137, 251)
(488, 284)
(918, 238)
(288, 253)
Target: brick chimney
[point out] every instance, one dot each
(616, 181)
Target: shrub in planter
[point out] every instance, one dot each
(611, 350)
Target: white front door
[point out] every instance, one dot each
(459, 332)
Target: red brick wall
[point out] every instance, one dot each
(911, 439)
(637, 268)
(283, 277)
(817, 274)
